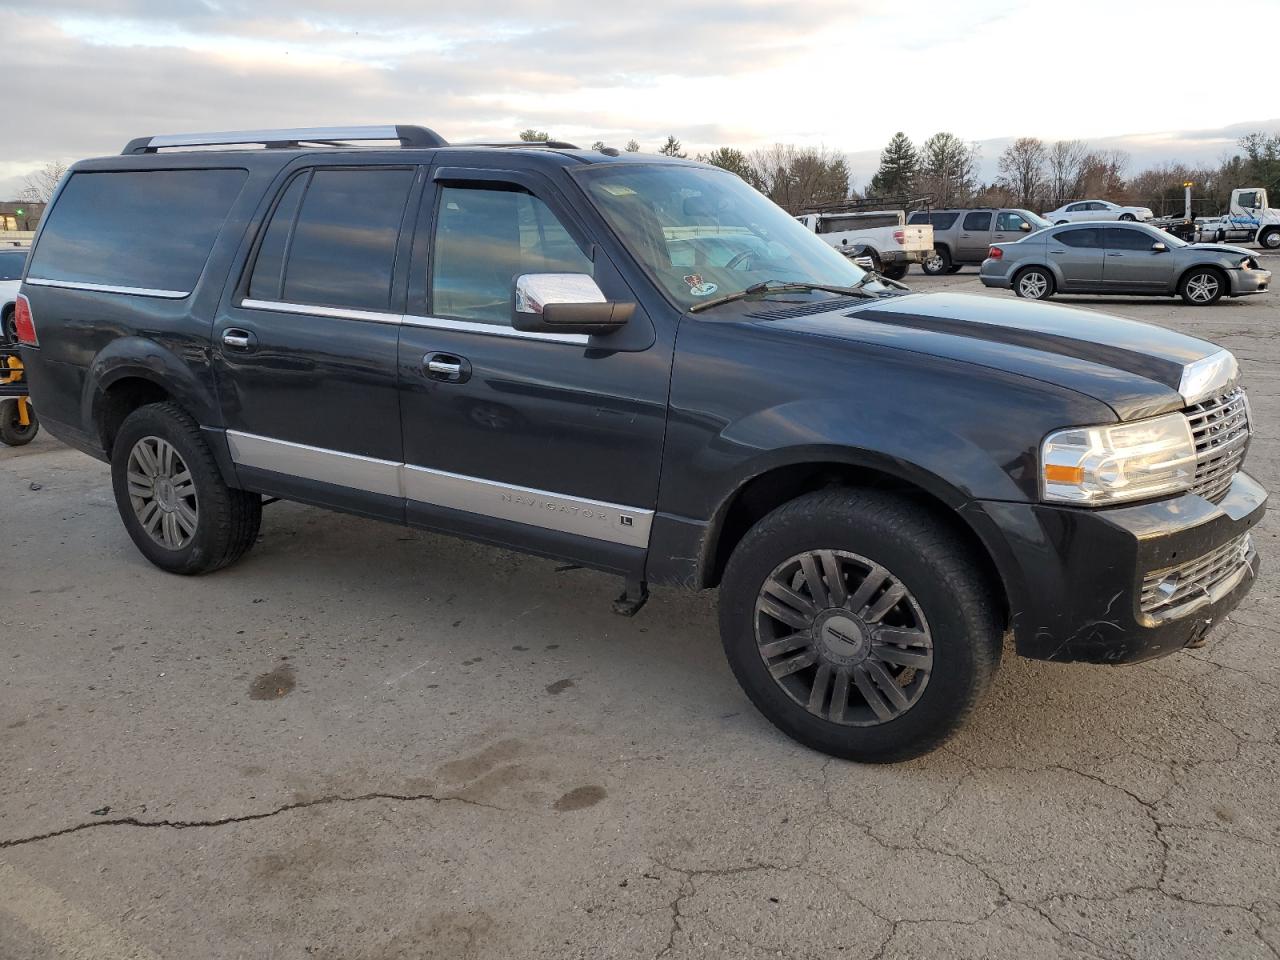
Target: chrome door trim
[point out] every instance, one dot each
(316, 463)
(341, 313)
(492, 329)
(578, 516)
(109, 288)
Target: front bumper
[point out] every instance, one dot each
(1075, 576)
(1249, 281)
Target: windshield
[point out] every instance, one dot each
(1168, 239)
(1038, 222)
(702, 233)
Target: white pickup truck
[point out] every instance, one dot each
(881, 236)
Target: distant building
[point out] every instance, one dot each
(20, 215)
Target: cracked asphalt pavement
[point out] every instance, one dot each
(365, 742)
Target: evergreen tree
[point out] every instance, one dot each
(632, 147)
(735, 161)
(531, 135)
(899, 167)
(673, 147)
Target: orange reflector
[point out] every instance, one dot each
(1058, 474)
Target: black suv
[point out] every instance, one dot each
(640, 365)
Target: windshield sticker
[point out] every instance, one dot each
(699, 287)
(618, 189)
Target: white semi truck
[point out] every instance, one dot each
(1249, 219)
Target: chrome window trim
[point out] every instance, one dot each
(109, 288)
(492, 329)
(341, 313)
(578, 516)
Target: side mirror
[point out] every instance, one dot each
(1025, 227)
(1159, 247)
(565, 303)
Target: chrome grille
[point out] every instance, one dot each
(1221, 430)
(1165, 591)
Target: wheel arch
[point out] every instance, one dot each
(1204, 265)
(765, 491)
(134, 371)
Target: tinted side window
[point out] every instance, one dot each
(343, 250)
(1080, 238)
(11, 264)
(920, 217)
(943, 221)
(1249, 200)
(268, 269)
(150, 229)
(977, 221)
(1117, 238)
(484, 239)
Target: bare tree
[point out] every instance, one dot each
(38, 187)
(947, 169)
(530, 135)
(798, 177)
(632, 147)
(1066, 167)
(1102, 175)
(1022, 170)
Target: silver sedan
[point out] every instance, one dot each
(1122, 259)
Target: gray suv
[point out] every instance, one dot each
(964, 236)
(1122, 259)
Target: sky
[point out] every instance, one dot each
(845, 74)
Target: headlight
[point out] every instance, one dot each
(1093, 466)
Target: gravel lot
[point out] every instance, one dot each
(370, 742)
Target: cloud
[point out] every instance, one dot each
(839, 73)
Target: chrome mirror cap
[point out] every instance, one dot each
(535, 291)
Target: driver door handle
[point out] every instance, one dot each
(446, 367)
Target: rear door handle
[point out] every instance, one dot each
(238, 339)
(446, 367)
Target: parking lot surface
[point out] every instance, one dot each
(366, 742)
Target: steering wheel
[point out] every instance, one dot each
(733, 262)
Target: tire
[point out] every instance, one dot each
(945, 595)
(1202, 286)
(161, 441)
(1127, 217)
(896, 271)
(938, 264)
(8, 326)
(1270, 238)
(1061, 222)
(1034, 283)
(12, 432)
(955, 268)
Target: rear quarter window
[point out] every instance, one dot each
(11, 264)
(150, 230)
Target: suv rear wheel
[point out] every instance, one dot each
(1034, 283)
(857, 626)
(171, 496)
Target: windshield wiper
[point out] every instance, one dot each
(783, 286)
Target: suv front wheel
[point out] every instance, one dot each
(858, 626)
(171, 496)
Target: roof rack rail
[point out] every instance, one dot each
(552, 144)
(872, 204)
(409, 136)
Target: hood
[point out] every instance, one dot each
(1222, 248)
(1134, 368)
